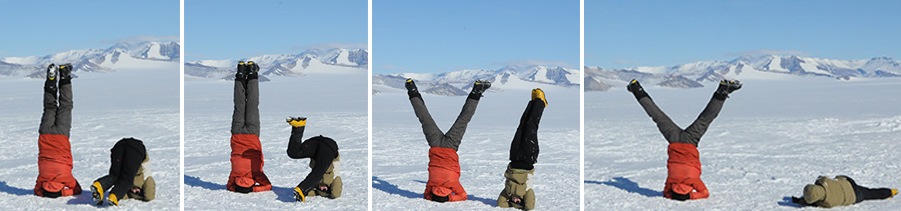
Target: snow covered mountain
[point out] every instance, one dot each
(142, 55)
(692, 75)
(456, 83)
(332, 61)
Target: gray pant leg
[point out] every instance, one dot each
(432, 133)
(671, 132)
(63, 124)
(455, 135)
(240, 104)
(48, 118)
(252, 117)
(697, 129)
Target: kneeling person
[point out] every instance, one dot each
(323, 180)
(129, 175)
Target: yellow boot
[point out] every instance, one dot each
(298, 195)
(113, 199)
(297, 121)
(537, 93)
(97, 193)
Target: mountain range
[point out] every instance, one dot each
(332, 61)
(119, 56)
(456, 83)
(692, 75)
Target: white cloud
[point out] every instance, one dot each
(528, 62)
(763, 52)
(140, 38)
(331, 45)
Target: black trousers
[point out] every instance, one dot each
(126, 157)
(864, 193)
(321, 149)
(524, 147)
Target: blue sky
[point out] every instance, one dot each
(237, 29)
(31, 28)
(442, 36)
(654, 33)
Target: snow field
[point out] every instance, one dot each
(400, 152)
(771, 139)
(335, 106)
(108, 107)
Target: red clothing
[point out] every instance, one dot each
(247, 163)
(55, 166)
(684, 171)
(444, 174)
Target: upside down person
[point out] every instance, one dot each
(683, 180)
(444, 165)
(54, 151)
(247, 152)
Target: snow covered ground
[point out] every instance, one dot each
(336, 105)
(771, 138)
(400, 152)
(140, 103)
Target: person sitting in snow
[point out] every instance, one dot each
(444, 165)
(683, 180)
(517, 191)
(247, 152)
(840, 191)
(129, 175)
(323, 180)
(54, 151)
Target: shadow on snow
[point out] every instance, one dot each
(628, 185)
(14, 190)
(383, 185)
(196, 182)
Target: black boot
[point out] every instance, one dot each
(65, 74)
(412, 91)
(478, 88)
(52, 75)
(241, 73)
(635, 88)
(252, 70)
(726, 87)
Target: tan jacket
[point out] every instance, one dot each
(838, 192)
(329, 179)
(144, 181)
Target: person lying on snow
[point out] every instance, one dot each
(323, 180)
(683, 180)
(247, 152)
(840, 191)
(54, 151)
(129, 175)
(517, 191)
(444, 165)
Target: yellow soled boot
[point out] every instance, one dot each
(97, 193)
(297, 121)
(537, 93)
(113, 199)
(299, 195)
